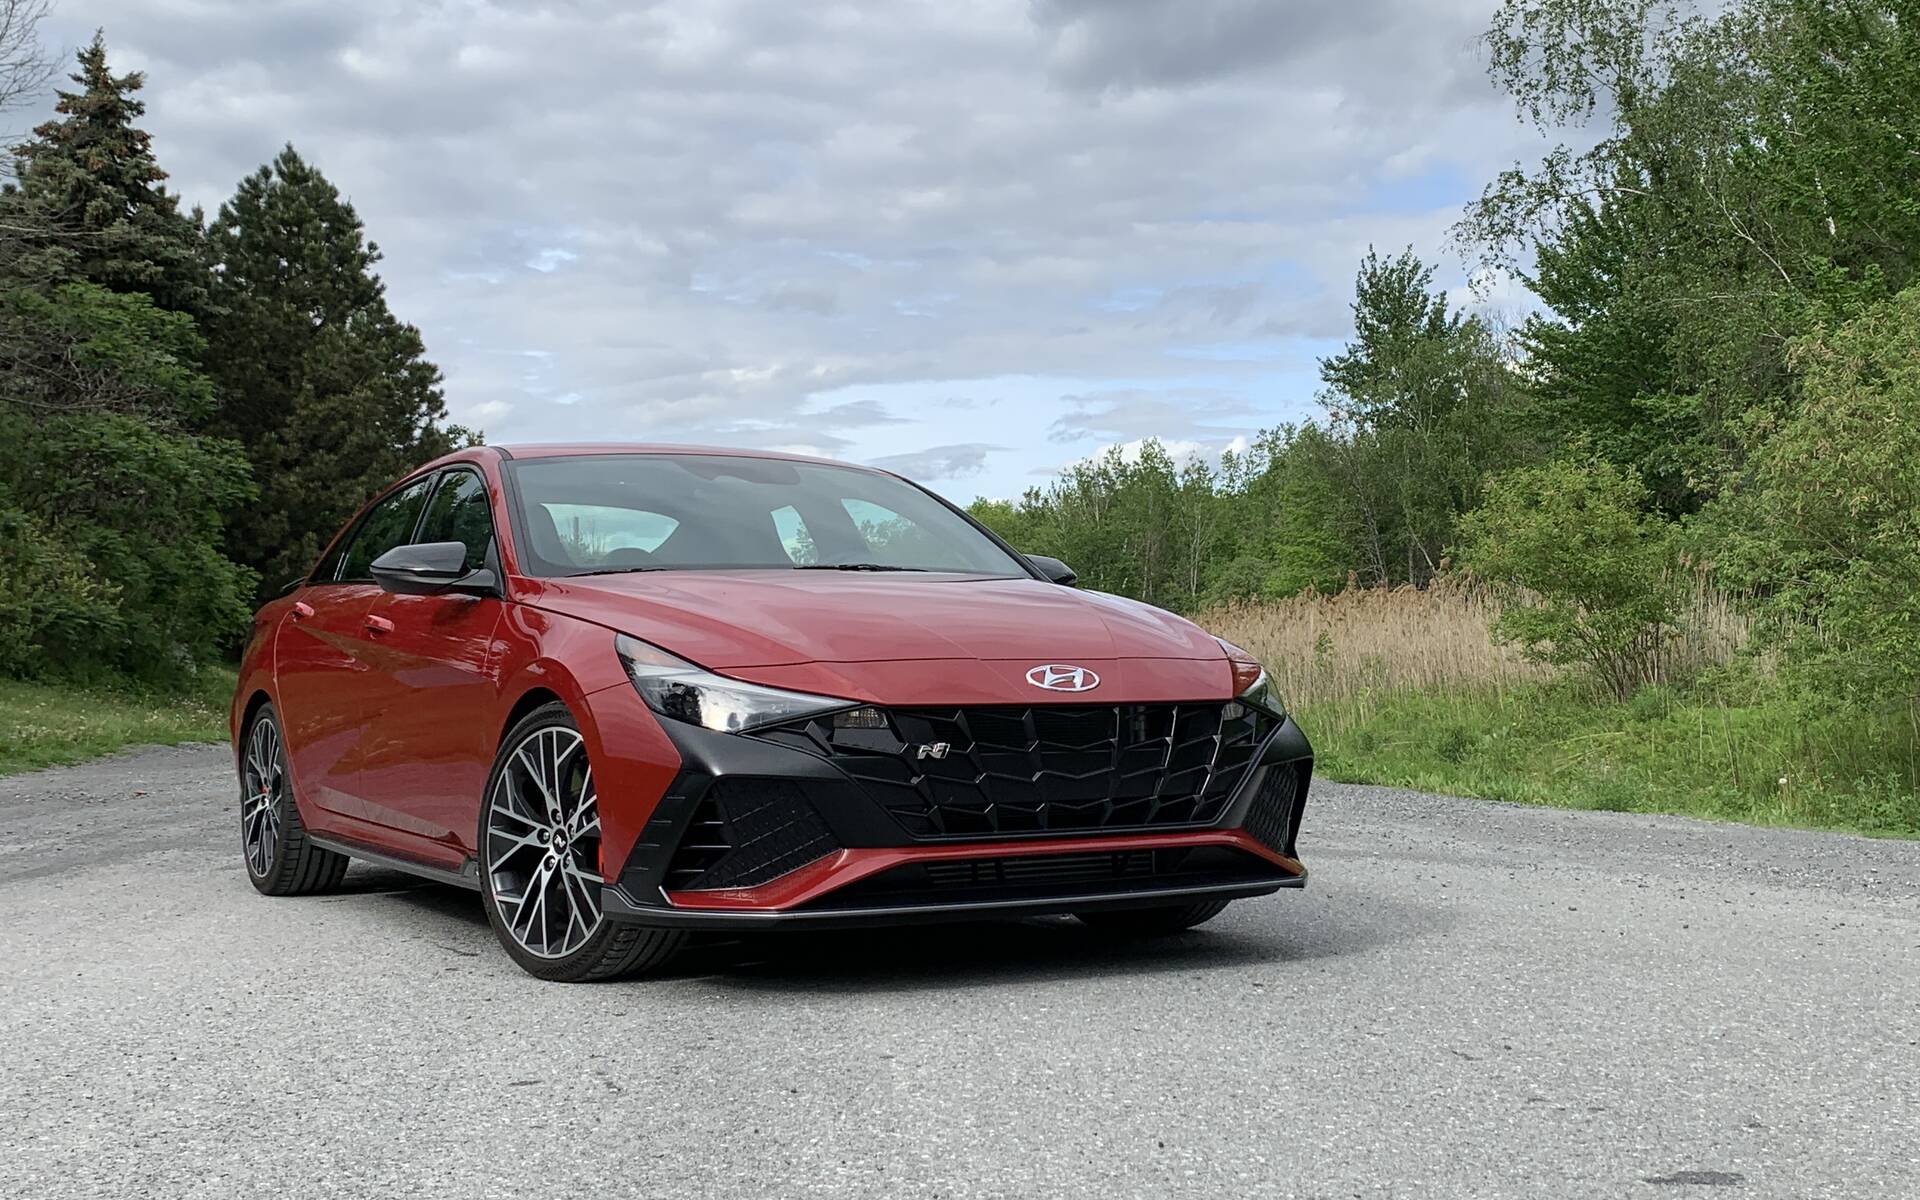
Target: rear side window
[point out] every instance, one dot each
(459, 513)
(390, 524)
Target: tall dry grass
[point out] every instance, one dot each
(1333, 650)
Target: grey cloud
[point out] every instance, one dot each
(939, 462)
(1127, 415)
(768, 202)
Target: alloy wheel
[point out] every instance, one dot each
(265, 783)
(543, 844)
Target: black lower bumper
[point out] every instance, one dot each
(619, 907)
(744, 812)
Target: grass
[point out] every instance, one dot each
(51, 724)
(1409, 689)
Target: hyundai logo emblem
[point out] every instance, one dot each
(1058, 677)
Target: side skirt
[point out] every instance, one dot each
(468, 876)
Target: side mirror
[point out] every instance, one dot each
(430, 568)
(1052, 568)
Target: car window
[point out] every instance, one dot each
(390, 524)
(720, 512)
(459, 512)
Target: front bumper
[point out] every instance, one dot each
(838, 859)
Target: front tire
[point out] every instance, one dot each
(280, 859)
(1152, 922)
(540, 861)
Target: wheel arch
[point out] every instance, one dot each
(254, 703)
(537, 696)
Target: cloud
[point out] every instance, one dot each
(712, 218)
(939, 462)
(1142, 413)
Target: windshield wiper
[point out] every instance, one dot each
(611, 571)
(854, 567)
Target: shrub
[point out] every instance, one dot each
(1588, 577)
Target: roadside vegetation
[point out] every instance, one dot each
(1652, 544)
(1411, 687)
(52, 724)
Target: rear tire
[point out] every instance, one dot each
(280, 859)
(540, 861)
(1152, 922)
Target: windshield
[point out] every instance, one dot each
(637, 512)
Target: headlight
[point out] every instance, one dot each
(674, 687)
(1252, 685)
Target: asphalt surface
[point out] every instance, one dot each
(1469, 999)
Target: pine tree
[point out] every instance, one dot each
(90, 175)
(331, 394)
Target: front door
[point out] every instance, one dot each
(434, 694)
(324, 677)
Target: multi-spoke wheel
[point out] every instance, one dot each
(540, 860)
(280, 859)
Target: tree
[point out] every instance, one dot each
(329, 392)
(110, 506)
(1825, 525)
(1422, 405)
(1754, 181)
(90, 191)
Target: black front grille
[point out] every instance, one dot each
(983, 772)
(746, 832)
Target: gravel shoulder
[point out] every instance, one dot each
(1469, 999)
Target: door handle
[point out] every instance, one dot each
(302, 610)
(379, 625)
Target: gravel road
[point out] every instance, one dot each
(1469, 999)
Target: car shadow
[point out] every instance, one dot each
(1282, 929)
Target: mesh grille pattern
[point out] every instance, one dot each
(747, 832)
(974, 772)
(1271, 818)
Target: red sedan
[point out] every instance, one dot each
(632, 693)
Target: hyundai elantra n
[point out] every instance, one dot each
(631, 694)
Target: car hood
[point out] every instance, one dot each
(739, 621)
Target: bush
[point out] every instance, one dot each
(1587, 576)
(1827, 524)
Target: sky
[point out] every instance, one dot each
(968, 240)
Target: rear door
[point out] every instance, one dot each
(324, 677)
(434, 691)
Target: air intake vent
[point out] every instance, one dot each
(746, 832)
(1275, 815)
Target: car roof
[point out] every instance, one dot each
(578, 449)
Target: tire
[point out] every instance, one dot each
(280, 860)
(1153, 922)
(540, 827)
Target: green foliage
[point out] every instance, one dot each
(1755, 752)
(1756, 181)
(1826, 526)
(1588, 578)
(111, 507)
(331, 395)
(118, 512)
(92, 196)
